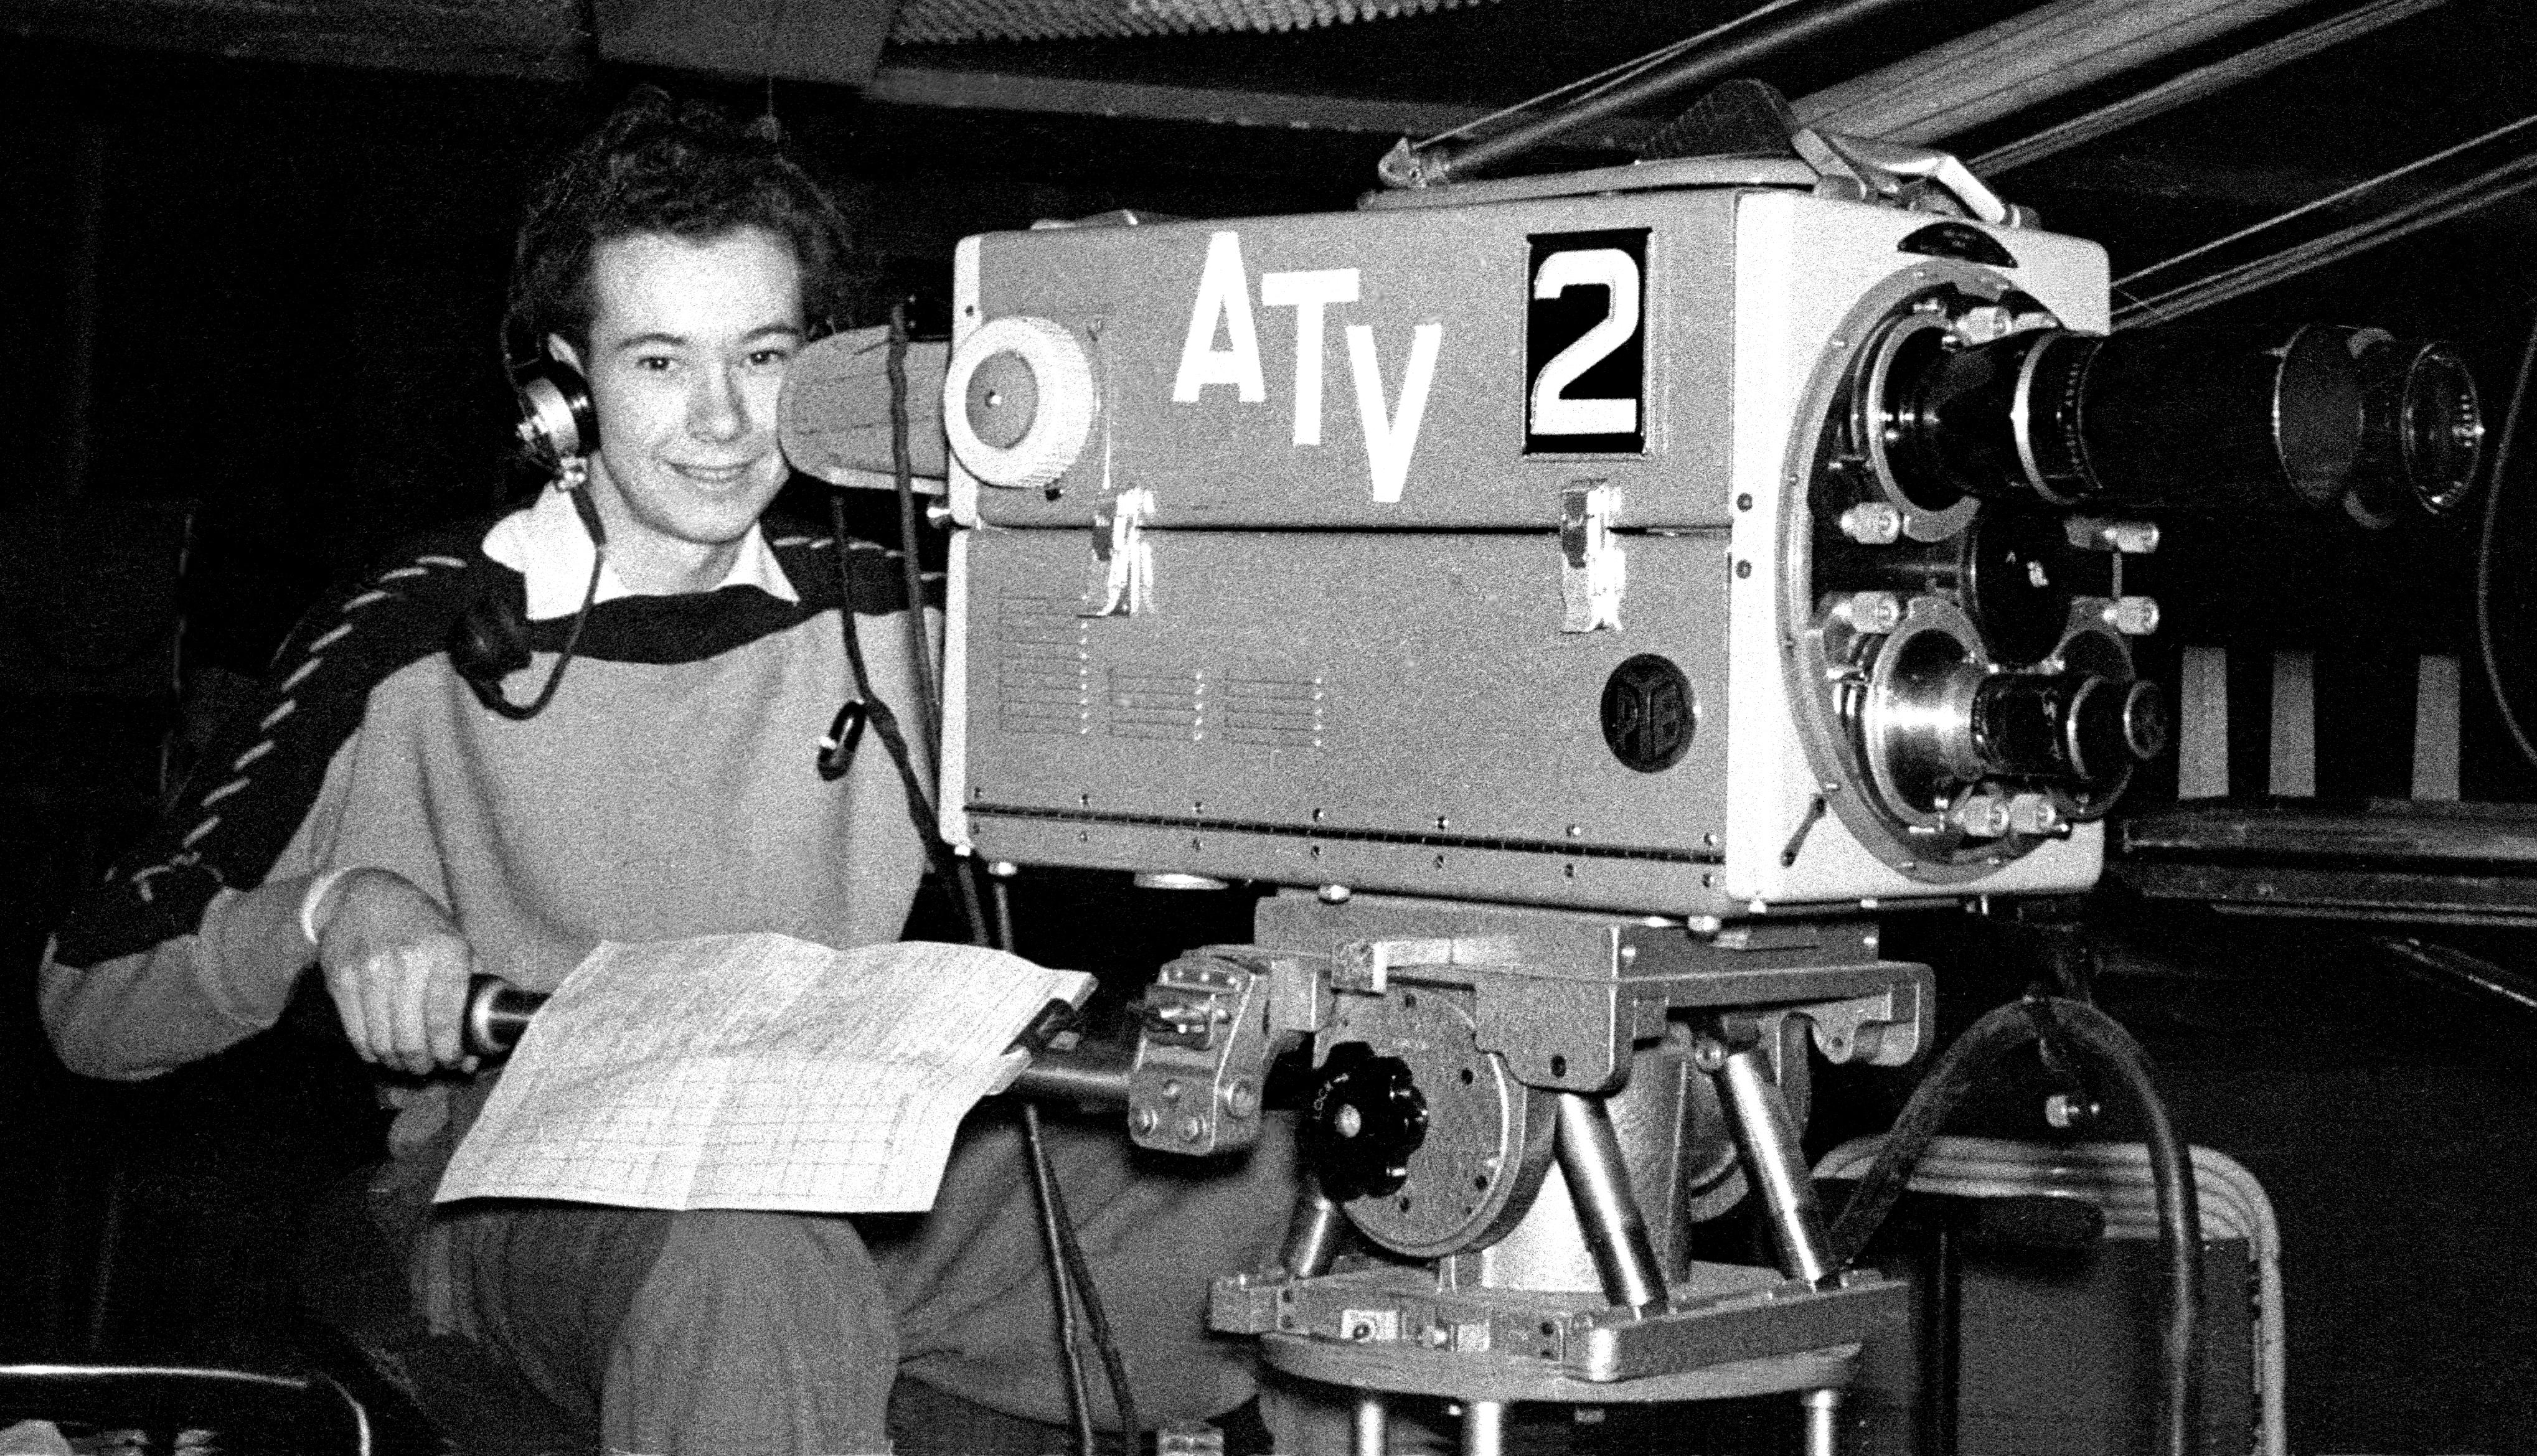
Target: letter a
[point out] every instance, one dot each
(1224, 293)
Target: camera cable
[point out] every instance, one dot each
(1061, 1275)
(2484, 634)
(919, 805)
(2073, 1024)
(1070, 1272)
(920, 651)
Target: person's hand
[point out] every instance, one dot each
(397, 968)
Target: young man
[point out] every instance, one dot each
(376, 814)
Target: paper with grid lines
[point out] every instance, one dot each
(754, 1072)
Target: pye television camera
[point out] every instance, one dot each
(1589, 594)
(1711, 547)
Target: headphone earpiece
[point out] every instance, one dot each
(558, 420)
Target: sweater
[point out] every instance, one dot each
(670, 790)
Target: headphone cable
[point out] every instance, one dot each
(488, 687)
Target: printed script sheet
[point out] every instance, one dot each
(754, 1072)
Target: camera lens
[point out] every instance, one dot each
(2173, 417)
(2422, 429)
(2079, 728)
(1939, 414)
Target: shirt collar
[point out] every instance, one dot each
(547, 546)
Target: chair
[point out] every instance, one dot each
(235, 1411)
(89, 627)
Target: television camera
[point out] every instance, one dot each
(1594, 598)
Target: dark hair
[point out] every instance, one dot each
(685, 170)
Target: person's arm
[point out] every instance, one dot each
(395, 963)
(139, 1014)
(197, 937)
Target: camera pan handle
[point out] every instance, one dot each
(1885, 169)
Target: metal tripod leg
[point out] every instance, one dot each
(1313, 1235)
(1371, 1423)
(1608, 1211)
(1823, 1422)
(1773, 1160)
(1777, 1168)
(1312, 1231)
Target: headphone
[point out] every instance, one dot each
(559, 429)
(558, 422)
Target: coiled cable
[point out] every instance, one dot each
(1071, 1272)
(2484, 639)
(2088, 1030)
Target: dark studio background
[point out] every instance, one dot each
(269, 288)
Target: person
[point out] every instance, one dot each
(377, 812)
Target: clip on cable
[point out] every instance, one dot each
(837, 745)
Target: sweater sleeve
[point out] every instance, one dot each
(135, 1016)
(193, 942)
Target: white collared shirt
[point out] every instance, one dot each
(547, 546)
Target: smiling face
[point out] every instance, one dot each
(689, 342)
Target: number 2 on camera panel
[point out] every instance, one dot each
(1586, 344)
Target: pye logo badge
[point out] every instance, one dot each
(1584, 344)
(1222, 308)
(1649, 713)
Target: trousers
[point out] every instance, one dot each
(538, 1327)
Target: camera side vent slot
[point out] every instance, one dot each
(1043, 672)
(1271, 711)
(1151, 703)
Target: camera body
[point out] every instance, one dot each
(1591, 598)
(1559, 549)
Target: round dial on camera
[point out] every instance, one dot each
(1484, 1142)
(1018, 401)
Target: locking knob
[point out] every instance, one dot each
(1366, 1118)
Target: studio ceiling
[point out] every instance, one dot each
(2238, 108)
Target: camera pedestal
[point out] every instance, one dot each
(1698, 1325)
(1526, 1113)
